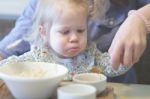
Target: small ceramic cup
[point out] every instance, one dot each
(76, 91)
(94, 79)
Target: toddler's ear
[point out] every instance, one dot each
(43, 35)
(42, 31)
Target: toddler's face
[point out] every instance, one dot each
(68, 34)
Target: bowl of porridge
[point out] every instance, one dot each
(94, 79)
(32, 80)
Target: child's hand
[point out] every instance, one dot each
(129, 42)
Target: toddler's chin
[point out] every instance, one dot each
(71, 55)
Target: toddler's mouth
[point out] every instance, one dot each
(74, 49)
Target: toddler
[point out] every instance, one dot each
(59, 35)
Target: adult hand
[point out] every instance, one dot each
(129, 42)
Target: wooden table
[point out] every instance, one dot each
(122, 91)
(4, 92)
(131, 91)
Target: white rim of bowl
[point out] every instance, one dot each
(4, 76)
(61, 89)
(104, 78)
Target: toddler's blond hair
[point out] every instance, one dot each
(47, 9)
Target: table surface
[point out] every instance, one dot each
(122, 91)
(12, 8)
(131, 91)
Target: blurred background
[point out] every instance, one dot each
(11, 9)
(9, 12)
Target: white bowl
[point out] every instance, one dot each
(76, 91)
(32, 80)
(94, 79)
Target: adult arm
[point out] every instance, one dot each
(21, 28)
(129, 42)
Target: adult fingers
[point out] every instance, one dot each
(116, 53)
(139, 49)
(128, 54)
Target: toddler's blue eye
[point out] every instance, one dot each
(80, 30)
(65, 32)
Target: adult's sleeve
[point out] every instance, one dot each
(22, 26)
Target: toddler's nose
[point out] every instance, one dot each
(74, 37)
